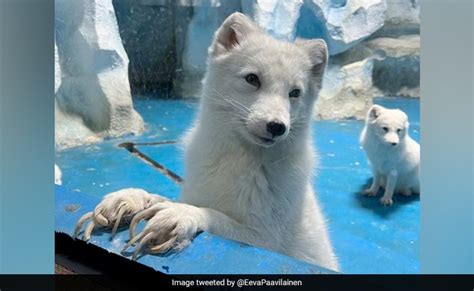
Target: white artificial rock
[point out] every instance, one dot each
(70, 130)
(346, 24)
(343, 24)
(57, 69)
(94, 99)
(397, 66)
(403, 14)
(279, 18)
(57, 175)
(194, 3)
(347, 86)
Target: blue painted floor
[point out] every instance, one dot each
(368, 237)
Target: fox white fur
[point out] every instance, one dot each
(394, 156)
(242, 181)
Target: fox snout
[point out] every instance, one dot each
(269, 120)
(267, 131)
(392, 139)
(276, 128)
(268, 128)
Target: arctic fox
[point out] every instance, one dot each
(249, 156)
(392, 153)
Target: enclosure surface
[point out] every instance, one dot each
(368, 237)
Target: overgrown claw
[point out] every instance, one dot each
(144, 238)
(117, 221)
(142, 242)
(132, 241)
(114, 209)
(144, 214)
(133, 205)
(81, 221)
(164, 247)
(87, 233)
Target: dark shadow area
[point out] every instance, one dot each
(373, 203)
(96, 258)
(102, 270)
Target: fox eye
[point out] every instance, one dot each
(398, 130)
(295, 93)
(385, 129)
(253, 80)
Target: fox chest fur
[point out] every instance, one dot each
(249, 186)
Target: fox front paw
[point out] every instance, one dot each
(172, 228)
(369, 192)
(115, 209)
(386, 201)
(406, 192)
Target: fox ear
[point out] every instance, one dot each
(317, 50)
(231, 33)
(374, 112)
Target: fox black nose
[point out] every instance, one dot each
(276, 128)
(394, 143)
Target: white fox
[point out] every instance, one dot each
(392, 153)
(249, 156)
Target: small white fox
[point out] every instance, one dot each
(392, 153)
(249, 156)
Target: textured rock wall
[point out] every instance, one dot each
(347, 86)
(374, 47)
(93, 98)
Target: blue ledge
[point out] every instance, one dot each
(208, 254)
(368, 238)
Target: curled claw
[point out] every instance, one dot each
(144, 214)
(81, 221)
(114, 209)
(98, 219)
(164, 247)
(145, 237)
(142, 242)
(88, 231)
(117, 221)
(132, 241)
(173, 226)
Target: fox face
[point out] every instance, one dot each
(389, 126)
(263, 88)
